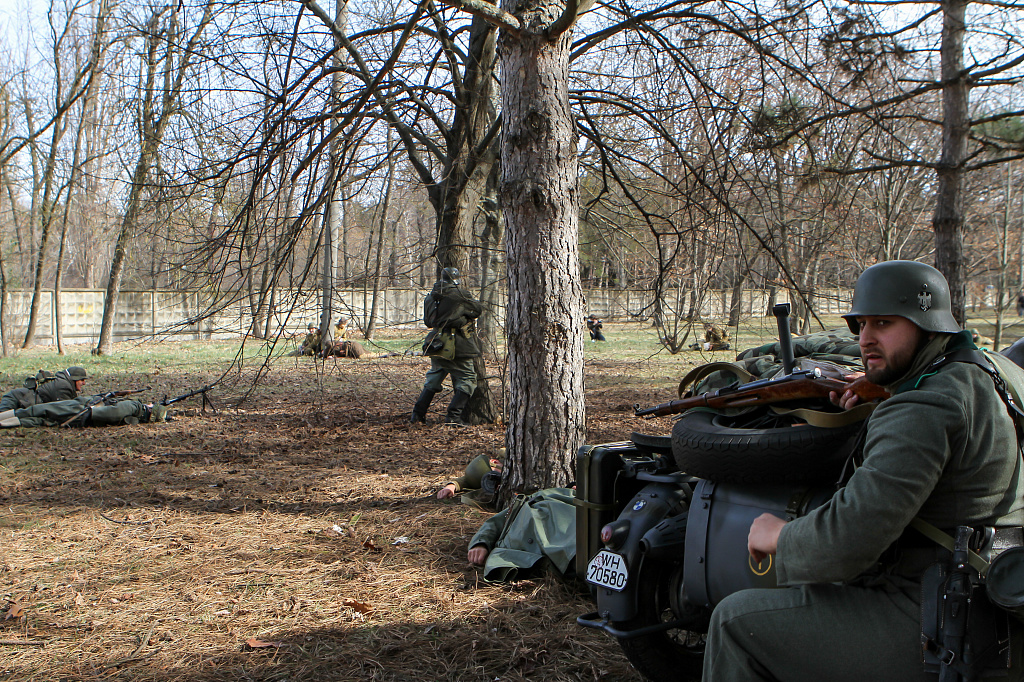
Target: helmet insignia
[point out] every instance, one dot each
(924, 301)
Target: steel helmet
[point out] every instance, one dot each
(450, 275)
(905, 288)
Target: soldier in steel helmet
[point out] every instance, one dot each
(450, 313)
(942, 449)
(45, 387)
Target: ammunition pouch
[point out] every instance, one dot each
(440, 343)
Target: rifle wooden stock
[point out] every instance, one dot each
(797, 386)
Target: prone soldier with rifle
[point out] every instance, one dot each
(45, 387)
(113, 408)
(873, 584)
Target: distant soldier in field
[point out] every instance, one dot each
(311, 344)
(344, 347)
(45, 387)
(715, 338)
(594, 325)
(83, 414)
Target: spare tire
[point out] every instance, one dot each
(705, 445)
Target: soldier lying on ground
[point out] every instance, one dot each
(714, 339)
(82, 414)
(535, 531)
(479, 482)
(45, 387)
(344, 347)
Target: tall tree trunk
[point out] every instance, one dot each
(3, 307)
(948, 219)
(1004, 261)
(152, 124)
(333, 216)
(490, 262)
(385, 208)
(47, 205)
(124, 239)
(540, 201)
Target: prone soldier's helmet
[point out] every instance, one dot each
(476, 470)
(450, 275)
(905, 288)
(77, 373)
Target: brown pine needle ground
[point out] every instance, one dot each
(296, 537)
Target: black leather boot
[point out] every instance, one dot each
(419, 410)
(455, 407)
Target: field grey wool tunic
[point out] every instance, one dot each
(942, 448)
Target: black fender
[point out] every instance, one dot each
(657, 526)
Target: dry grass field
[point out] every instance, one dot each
(292, 535)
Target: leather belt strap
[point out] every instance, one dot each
(946, 541)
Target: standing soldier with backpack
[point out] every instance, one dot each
(45, 387)
(450, 313)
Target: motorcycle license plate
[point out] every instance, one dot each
(608, 569)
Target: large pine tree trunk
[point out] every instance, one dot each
(948, 219)
(540, 200)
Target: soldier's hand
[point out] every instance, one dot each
(478, 555)
(446, 492)
(848, 399)
(763, 538)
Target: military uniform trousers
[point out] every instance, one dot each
(54, 414)
(462, 370)
(817, 632)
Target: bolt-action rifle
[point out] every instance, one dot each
(792, 384)
(800, 385)
(184, 396)
(102, 398)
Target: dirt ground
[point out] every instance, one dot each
(294, 537)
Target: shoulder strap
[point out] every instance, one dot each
(1006, 391)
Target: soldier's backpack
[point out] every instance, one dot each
(835, 352)
(41, 377)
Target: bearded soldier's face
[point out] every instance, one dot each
(888, 344)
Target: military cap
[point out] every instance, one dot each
(909, 289)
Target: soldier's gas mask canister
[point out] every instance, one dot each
(1004, 581)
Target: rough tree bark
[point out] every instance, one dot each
(948, 219)
(540, 202)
